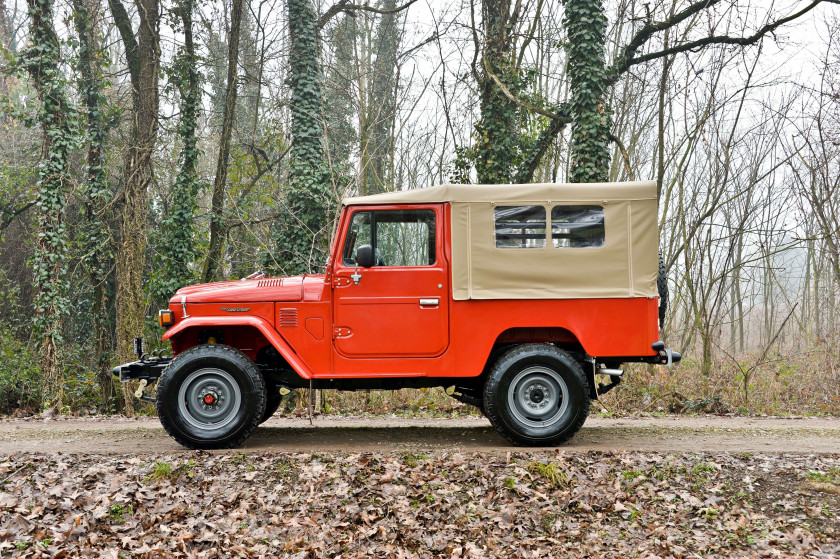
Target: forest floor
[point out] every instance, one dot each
(390, 487)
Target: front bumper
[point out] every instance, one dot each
(147, 368)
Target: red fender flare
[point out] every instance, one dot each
(274, 338)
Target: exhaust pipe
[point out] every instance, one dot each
(609, 372)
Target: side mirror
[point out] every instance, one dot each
(365, 257)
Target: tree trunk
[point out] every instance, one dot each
(177, 237)
(143, 58)
(95, 191)
(497, 133)
(305, 79)
(217, 224)
(302, 232)
(382, 104)
(706, 363)
(818, 303)
(59, 136)
(660, 121)
(586, 27)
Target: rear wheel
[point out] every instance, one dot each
(211, 396)
(536, 395)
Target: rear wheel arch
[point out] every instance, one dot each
(558, 336)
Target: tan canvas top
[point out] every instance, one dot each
(557, 192)
(625, 265)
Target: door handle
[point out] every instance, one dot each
(431, 302)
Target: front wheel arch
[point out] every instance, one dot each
(184, 336)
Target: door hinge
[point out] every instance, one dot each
(341, 332)
(341, 281)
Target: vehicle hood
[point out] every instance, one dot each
(293, 288)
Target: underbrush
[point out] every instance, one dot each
(803, 383)
(408, 402)
(21, 381)
(797, 383)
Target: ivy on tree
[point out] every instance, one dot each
(93, 237)
(516, 127)
(173, 263)
(58, 120)
(301, 234)
(586, 28)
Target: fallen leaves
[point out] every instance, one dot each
(527, 504)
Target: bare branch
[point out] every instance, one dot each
(629, 59)
(346, 6)
(565, 119)
(624, 156)
(624, 61)
(10, 215)
(123, 23)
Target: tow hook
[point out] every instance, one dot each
(667, 356)
(140, 387)
(140, 393)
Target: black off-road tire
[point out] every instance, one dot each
(531, 368)
(228, 370)
(662, 286)
(272, 403)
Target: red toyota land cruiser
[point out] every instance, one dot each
(513, 297)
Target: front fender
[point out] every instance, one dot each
(274, 338)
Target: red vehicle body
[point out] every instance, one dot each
(390, 326)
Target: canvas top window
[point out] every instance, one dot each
(577, 226)
(398, 237)
(520, 226)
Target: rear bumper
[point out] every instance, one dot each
(663, 356)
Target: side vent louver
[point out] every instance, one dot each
(277, 282)
(287, 318)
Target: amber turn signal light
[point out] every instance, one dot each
(166, 318)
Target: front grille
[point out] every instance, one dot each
(287, 318)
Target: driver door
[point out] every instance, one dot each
(399, 307)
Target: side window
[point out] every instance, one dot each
(577, 226)
(520, 226)
(399, 237)
(358, 235)
(405, 237)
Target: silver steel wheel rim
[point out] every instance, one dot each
(200, 413)
(538, 397)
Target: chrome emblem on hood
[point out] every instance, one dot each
(236, 309)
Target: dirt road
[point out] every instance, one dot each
(672, 434)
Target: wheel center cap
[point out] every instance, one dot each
(209, 398)
(537, 396)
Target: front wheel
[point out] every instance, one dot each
(536, 395)
(272, 404)
(211, 396)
